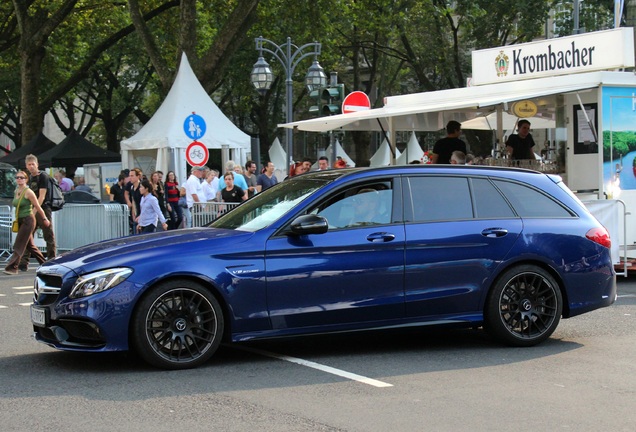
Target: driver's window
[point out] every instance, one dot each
(361, 205)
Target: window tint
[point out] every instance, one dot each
(440, 198)
(362, 205)
(489, 203)
(529, 202)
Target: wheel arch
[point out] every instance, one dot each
(551, 270)
(206, 283)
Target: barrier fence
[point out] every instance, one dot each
(204, 213)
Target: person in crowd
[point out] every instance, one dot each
(211, 185)
(133, 196)
(239, 179)
(39, 184)
(444, 148)
(151, 212)
(158, 190)
(340, 163)
(172, 201)
(520, 146)
(232, 193)
(297, 168)
(82, 186)
(267, 179)
(323, 163)
(117, 190)
(458, 158)
(470, 159)
(183, 203)
(66, 184)
(194, 191)
(307, 164)
(25, 201)
(250, 177)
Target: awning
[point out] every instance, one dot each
(430, 111)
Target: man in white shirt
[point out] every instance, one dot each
(194, 188)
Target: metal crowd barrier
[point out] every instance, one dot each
(548, 167)
(204, 213)
(6, 220)
(81, 224)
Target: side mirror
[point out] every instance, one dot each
(309, 224)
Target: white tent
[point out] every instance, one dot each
(162, 142)
(489, 122)
(382, 157)
(279, 156)
(413, 151)
(339, 152)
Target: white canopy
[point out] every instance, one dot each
(432, 110)
(163, 137)
(413, 151)
(382, 157)
(489, 122)
(340, 152)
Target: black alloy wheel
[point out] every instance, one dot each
(178, 325)
(524, 307)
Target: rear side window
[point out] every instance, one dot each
(489, 203)
(529, 202)
(440, 198)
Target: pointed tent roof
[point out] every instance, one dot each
(74, 151)
(278, 156)
(382, 157)
(166, 127)
(340, 152)
(38, 145)
(413, 151)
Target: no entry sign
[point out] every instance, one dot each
(356, 101)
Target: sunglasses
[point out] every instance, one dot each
(20, 177)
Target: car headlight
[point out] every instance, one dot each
(93, 283)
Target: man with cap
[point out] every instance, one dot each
(194, 188)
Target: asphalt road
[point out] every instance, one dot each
(583, 379)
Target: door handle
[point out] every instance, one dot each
(381, 237)
(494, 232)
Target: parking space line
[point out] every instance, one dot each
(318, 366)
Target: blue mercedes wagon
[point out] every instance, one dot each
(507, 249)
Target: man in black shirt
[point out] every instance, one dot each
(520, 146)
(444, 148)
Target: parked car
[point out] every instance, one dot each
(80, 197)
(508, 249)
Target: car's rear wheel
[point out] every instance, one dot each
(177, 325)
(524, 306)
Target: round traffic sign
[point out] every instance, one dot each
(194, 126)
(197, 154)
(356, 101)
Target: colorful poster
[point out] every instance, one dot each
(619, 138)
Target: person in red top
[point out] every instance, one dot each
(172, 201)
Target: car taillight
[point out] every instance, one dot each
(600, 236)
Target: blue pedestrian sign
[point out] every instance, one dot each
(194, 126)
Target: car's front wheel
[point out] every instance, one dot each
(524, 306)
(177, 325)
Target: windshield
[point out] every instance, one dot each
(264, 209)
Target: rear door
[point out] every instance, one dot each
(458, 230)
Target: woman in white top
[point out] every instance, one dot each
(150, 211)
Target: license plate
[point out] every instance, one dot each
(38, 316)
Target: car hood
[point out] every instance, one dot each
(118, 252)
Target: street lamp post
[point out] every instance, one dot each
(289, 55)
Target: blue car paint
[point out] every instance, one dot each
(277, 285)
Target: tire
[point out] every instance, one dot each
(177, 325)
(524, 306)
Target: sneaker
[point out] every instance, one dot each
(10, 272)
(23, 268)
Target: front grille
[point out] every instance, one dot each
(46, 289)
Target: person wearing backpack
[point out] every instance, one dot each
(39, 184)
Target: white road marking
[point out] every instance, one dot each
(318, 366)
(626, 295)
(25, 304)
(3, 307)
(23, 287)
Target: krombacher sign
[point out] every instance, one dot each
(604, 50)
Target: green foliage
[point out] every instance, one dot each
(622, 142)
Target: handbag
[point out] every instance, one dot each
(14, 225)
